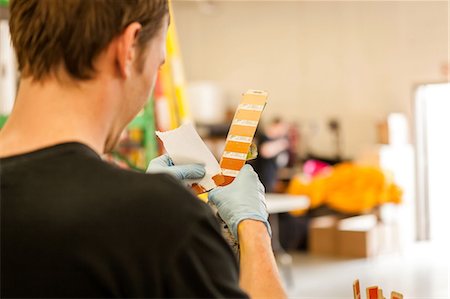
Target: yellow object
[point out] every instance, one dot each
(300, 187)
(171, 99)
(349, 189)
(166, 80)
(203, 196)
(175, 65)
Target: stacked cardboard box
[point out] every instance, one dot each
(357, 237)
(322, 235)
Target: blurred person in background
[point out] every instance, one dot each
(277, 148)
(273, 152)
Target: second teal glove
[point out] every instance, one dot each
(242, 199)
(163, 164)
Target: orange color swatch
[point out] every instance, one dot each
(232, 164)
(395, 295)
(237, 147)
(356, 290)
(255, 97)
(372, 292)
(246, 131)
(247, 114)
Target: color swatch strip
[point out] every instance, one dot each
(241, 133)
(356, 290)
(372, 292)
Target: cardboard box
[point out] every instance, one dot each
(358, 236)
(322, 235)
(354, 237)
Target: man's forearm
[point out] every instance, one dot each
(259, 273)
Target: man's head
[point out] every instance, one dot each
(82, 40)
(277, 128)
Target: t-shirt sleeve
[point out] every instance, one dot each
(205, 266)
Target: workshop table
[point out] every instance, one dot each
(282, 203)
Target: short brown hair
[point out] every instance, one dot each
(47, 34)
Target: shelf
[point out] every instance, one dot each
(3, 119)
(4, 11)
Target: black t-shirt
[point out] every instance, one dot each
(75, 226)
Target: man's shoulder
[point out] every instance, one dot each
(144, 209)
(160, 192)
(70, 178)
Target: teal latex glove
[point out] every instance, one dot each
(163, 164)
(242, 199)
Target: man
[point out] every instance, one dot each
(73, 225)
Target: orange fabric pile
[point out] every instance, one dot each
(348, 188)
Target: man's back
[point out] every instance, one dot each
(74, 226)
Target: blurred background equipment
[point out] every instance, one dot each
(432, 107)
(207, 103)
(8, 73)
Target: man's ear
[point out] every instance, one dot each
(126, 48)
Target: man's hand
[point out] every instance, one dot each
(242, 199)
(163, 164)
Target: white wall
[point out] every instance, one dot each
(356, 61)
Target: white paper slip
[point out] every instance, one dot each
(185, 146)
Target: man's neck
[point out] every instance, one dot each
(50, 113)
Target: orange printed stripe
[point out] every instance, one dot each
(253, 99)
(227, 180)
(232, 164)
(372, 292)
(198, 189)
(247, 114)
(238, 147)
(242, 130)
(396, 295)
(356, 290)
(218, 179)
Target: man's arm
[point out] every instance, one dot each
(259, 273)
(243, 208)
